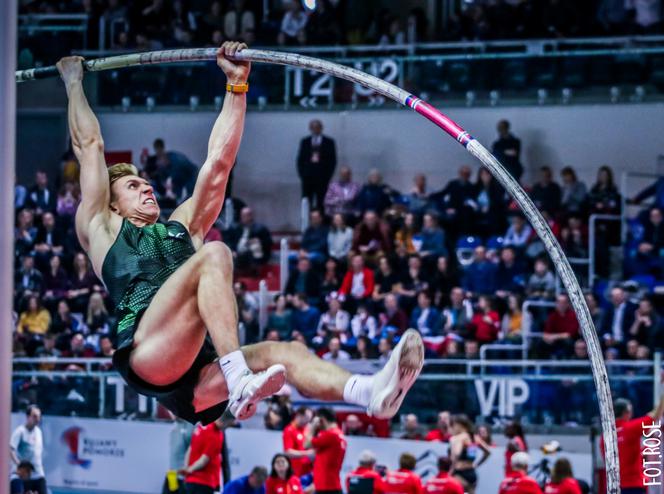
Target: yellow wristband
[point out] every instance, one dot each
(237, 88)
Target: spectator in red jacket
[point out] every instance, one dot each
(358, 283)
(560, 330)
(282, 479)
(202, 474)
(442, 431)
(562, 479)
(404, 480)
(486, 321)
(366, 471)
(329, 444)
(518, 481)
(294, 439)
(443, 483)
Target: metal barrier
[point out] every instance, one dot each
(305, 208)
(263, 307)
(54, 23)
(283, 263)
(592, 240)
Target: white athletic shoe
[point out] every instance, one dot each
(394, 380)
(253, 388)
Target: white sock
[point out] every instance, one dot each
(234, 366)
(357, 390)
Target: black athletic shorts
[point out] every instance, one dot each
(467, 474)
(193, 488)
(178, 396)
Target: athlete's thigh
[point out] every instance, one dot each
(171, 332)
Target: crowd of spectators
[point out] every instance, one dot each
(154, 24)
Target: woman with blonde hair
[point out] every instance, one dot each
(96, 317)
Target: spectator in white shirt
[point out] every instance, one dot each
(27, 444)
(339, 238)
(363, 323)
(335, 353)
(292, 25)
(518, 233)
(335, 321)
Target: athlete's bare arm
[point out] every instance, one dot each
(93, 215)
(201, 211)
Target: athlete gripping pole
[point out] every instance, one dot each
(173, 294)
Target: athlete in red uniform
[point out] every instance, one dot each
(518, 481)
(442, 431)
(404, 480)
(329, 444)
(293, 437)
(366, 471)
(630, 450)
(204, 459)
(562, 479)
(282, 479)
(443, 483)
(516, 443)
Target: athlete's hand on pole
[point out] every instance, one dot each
(71, 69)
(236, 72)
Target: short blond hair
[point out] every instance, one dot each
(119, 170)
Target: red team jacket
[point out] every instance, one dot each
(403, 482)
(293, 438)
(276, 485)
(206, 440)
(367, 473)
(330, 446)
(567, 486)
(518, 482)
(443, 484)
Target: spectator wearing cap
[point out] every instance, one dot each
(254, 483)
(480, 276)
(518, 481)
(507, 149)
(305, 317)
(366, 470)
(404, 480)
(442, 431)
(341, 193)
(443, 483)
(560, 330)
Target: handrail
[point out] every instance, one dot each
(283, 263)
(591, 243)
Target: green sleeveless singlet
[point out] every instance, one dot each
(138, 263)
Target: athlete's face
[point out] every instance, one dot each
(133, 197)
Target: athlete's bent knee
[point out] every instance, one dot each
(217, 254)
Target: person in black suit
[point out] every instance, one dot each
(454, 204)
(250, 242)
(618, 319)
(303, 279)
(40, 197)
(507, 150)
(316, 161)
(50, 240)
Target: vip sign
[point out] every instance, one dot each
(505, 394)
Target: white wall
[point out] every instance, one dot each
(401, 143)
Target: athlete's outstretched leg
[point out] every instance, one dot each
(381, 393)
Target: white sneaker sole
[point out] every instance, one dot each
(409, 355)
(273, 380)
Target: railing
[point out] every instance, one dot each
(54, 23)
(478, 387)
(592, 241)
(283, 263)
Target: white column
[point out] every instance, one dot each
(7, 162)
